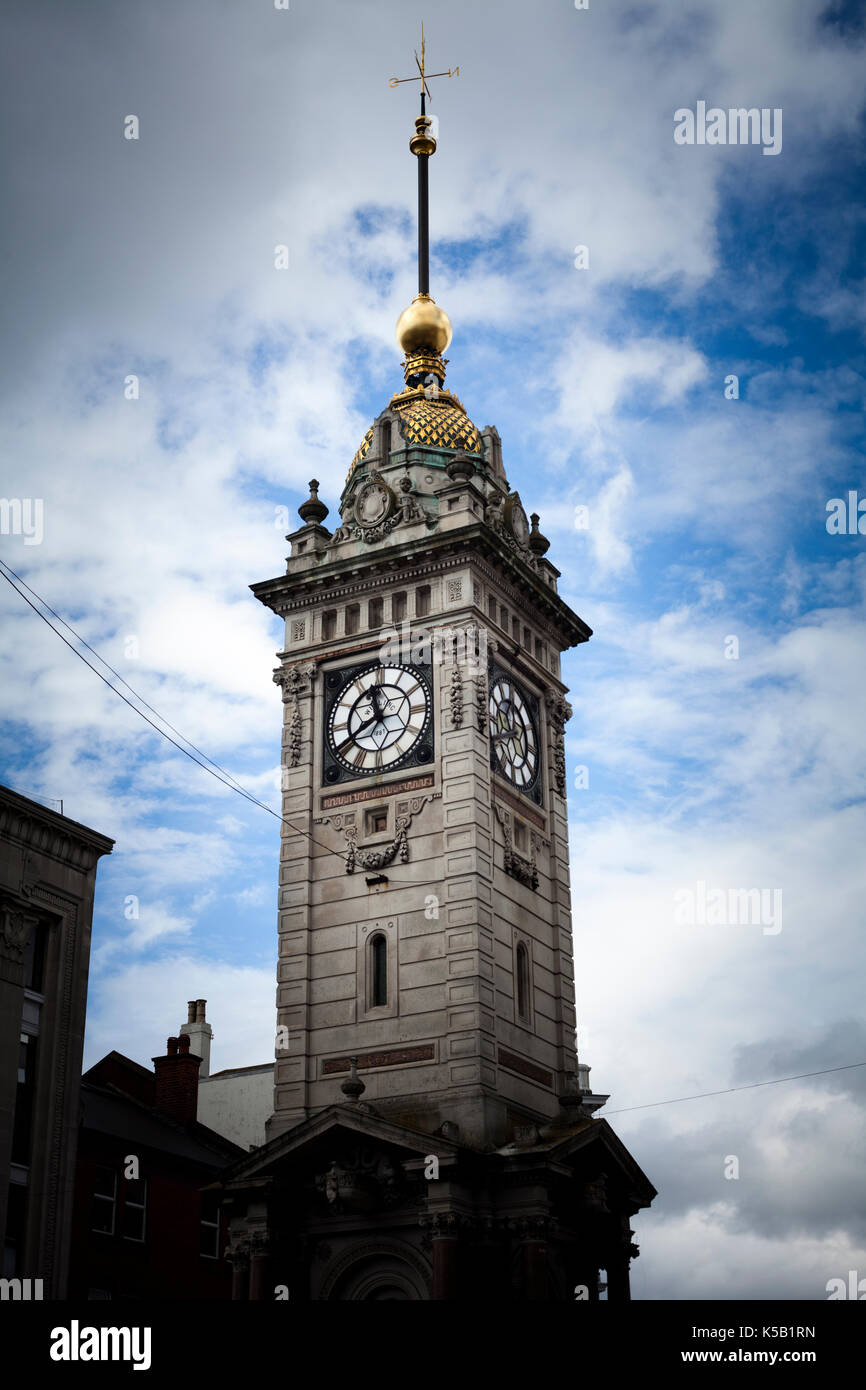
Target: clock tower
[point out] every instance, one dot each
(425, 980)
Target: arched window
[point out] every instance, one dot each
(522, 981)
(378, 971)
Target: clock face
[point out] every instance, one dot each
(513, 736)
(378, 719)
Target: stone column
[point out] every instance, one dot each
(259, 1267)
(239, 1257)
(443, 1229)
(535, 1275)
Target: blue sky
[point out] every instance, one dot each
(706, 515)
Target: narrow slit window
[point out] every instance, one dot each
(522, 981)
(353, 619)
(379, 971)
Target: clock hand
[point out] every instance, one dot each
(360, 729)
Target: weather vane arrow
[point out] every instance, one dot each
(423, 76)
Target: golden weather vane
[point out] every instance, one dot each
(423, 75)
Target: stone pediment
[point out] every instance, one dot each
(589, 1142)
(341, 1130)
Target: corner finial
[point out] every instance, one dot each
(313, 511)
(353, 1087)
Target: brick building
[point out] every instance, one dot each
(145, 1224)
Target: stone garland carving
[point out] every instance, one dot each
(293, 680)
(481, 713)
(560, 712)
(456, 697)
(376, 858)
(517, 865)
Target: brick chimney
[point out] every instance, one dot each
(177, 1081)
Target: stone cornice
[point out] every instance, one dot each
(33, 827)
(356, 574)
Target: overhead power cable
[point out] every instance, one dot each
(208, 766)
(228, 780)
(678, 1100)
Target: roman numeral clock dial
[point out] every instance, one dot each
(514, 747)
(377, 718)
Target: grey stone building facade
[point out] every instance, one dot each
(47, 876)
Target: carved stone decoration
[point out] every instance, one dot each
(408, 504)
(481, 712)
(517, 865)
(238, 1253)
(535, 1227)
(295, 681)
(456, 697)
(560, 712)
(377, 858)
(363, 1179)
(15, 928)
(504, 515)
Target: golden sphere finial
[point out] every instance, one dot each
(423, 326)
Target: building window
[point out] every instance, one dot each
(527, 639)
(422, 601)
(491, 607)
(377, 821)
(520, 836)
(378, 971)
(353, 619)
(329, 624)
(398, 607)
(22, 1125)
(386, 440)
(522, 981)
(34, 958)
(515, 629)
(134, 1208)
(209, 1238)
(503, 619)
(103, 1201)
(374, 612)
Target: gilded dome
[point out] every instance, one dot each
(436, 421)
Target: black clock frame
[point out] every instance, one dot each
(421, 752)
(535, 790)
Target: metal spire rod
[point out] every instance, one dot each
(422, 146)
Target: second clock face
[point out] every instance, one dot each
(378, 717)
(513, 738)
